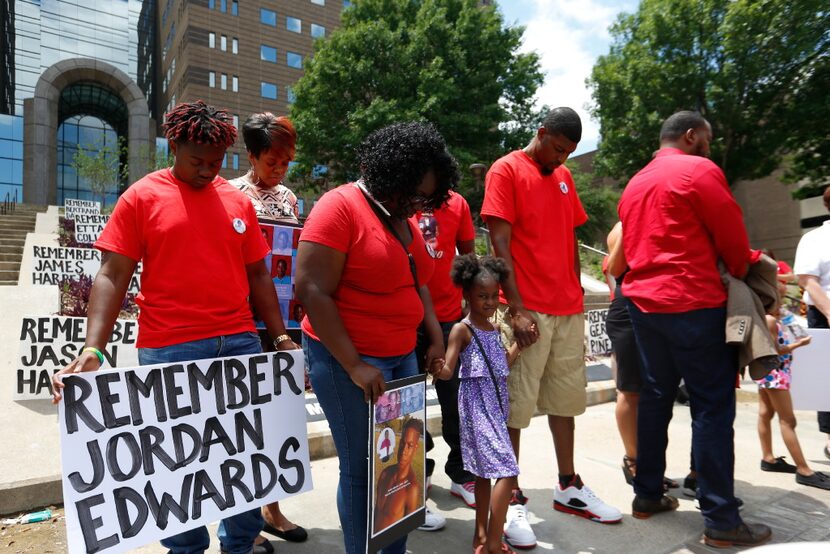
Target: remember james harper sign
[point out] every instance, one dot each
(153, 451)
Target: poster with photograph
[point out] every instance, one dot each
(281, 261)
(397, 462)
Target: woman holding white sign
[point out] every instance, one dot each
(360, 266)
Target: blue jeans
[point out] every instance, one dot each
(689, 345)
(236, 533)
(348, 415)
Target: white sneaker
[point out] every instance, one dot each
(578, 499)
(465, 491)
(517, 531)
(433, 522)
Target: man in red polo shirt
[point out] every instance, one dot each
(532, 210)
(679, 218)
(445, 230)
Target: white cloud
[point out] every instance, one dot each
(568, 35)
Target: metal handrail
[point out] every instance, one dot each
(486, 231)
(9, 203)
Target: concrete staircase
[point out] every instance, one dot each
(13, 229)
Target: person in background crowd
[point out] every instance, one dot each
(196, 280)
(812, 265)
(361, 273)
(270, 142)
(627, 357)
(532, 210)
(774, 398)
(445, 230)
(678, 219)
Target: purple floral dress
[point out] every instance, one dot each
(485, 444)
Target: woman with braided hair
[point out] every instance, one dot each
(203, 256)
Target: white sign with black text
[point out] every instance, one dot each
(598, 342)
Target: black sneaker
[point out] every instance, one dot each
(690, 486)
(643, 508)
(778, 466)
(818, 479)
(827, 452)
(745, 534)
(518, 498)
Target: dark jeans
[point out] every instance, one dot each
(692, 346)
(448, 399)
(816, 320)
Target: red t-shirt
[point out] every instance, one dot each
(194, 245)
(679, 217)
(543, 211)
(376, 296)
(442, 230)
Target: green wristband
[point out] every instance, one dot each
(97, 353)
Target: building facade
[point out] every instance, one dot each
(148, 55)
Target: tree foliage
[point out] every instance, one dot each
(450, 62)
(599, 202)
(101, 166)
(756, 69)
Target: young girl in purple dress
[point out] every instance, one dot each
(482, 396)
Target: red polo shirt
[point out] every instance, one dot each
(442, 230)
(543, 211)
(679, 217)
(376, 296)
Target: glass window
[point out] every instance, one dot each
(319, 2)
(224, 81)
(212, 40)
(223, 43)
(223, 5)
(225, 161)
(347, 4)
(293, 24)
(290, 95)
(236, 121)
(317, 31)
(235, 84)
(236, 161)
(234, 7)
(268, 90)
(268, 53)
(268, 17)
(211, 79)
(235, 46)
(294, 60)
(211, 4)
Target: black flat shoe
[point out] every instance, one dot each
(264, 548)
(817, 479)
(298, 534)
(778, 466)
(643, 508)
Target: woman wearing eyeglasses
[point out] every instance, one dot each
(361, 274)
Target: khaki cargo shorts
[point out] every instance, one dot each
(550, 374)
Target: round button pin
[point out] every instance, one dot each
(239, 225)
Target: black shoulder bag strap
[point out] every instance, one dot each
(388, 224)
(487, 361)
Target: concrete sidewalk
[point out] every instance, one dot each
(796, 513)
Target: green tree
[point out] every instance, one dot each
(451, 62)
(756, 69)
(600, 203)
(102, 166)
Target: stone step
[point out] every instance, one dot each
(10, 266)
(9, 276)
(14, 233)
(5, 283)
(12, 241)
(16, 250)
(16, 257)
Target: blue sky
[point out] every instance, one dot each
(568, 35)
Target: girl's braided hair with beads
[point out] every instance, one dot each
(199, 123)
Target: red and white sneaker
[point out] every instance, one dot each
(465, 491)
(579, 500)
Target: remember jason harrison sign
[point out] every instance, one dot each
(153, 451)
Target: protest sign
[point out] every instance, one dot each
(73, 207)
(153, 451)
(397, 462)
(281, 263)
(810, 385)
(88, 228)
(598, 342)
(51, 264)
(49, 342)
